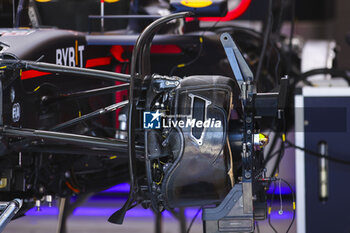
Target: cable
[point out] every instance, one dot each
(272, 199)
(293, 197)
(283, 137)
(199, 52)
(272, 145)
(273, 155)
(270, 207)
(193, 219)
(278, 23)
(290, 46)
(310, 152)
(257, 227)
(333, 72)
(265, 42)
(190, 62)
(278, 160)
(281, 201)
(277, 63)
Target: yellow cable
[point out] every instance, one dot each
(161, 179)
(183, 65)
(37, 88)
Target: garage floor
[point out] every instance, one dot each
(92, 217)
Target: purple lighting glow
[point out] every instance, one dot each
(284, 190)
(119, 188)
(105, 212)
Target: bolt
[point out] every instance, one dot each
(37, 204)
(248, 119)
(48, 199)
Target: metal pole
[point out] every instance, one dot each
(13, 13)
(90, 115)
(75, 139)
(102, 15)
(62, 218)
(158, 222)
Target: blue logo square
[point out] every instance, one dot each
(151, 120)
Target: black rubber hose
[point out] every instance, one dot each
(265, 42)
(333, 72)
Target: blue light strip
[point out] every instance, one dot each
(105, 212)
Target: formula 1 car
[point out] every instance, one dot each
(178, 116)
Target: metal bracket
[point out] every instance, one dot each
(235, 213)
(237, 62)
(229, 216)
(9, 210)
